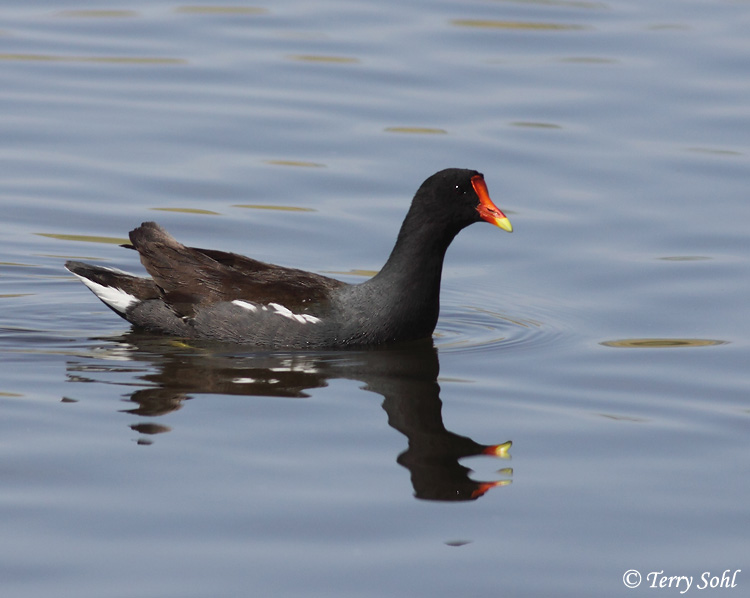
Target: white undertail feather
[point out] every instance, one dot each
(116, 298)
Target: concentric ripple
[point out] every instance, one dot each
(474, 328)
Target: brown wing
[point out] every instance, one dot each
(191, 277)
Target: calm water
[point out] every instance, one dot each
(607, 338)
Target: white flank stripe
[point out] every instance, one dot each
(278, 309)
(281, 310)
(245, 305)
(116, 298)
(287, 313)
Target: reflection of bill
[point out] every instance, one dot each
(406, 377)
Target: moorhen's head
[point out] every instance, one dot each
(457, 196)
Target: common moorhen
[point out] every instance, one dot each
(209, 294)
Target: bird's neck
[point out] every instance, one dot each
(419, 251)
(407, 288)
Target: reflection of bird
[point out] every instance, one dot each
(200, 293)
(406, 376)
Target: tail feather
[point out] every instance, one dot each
(172, 265)
(118, 290)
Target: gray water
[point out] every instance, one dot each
(606, 338)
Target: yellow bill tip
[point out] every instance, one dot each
(504, 223)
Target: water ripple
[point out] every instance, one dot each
(480, 329)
